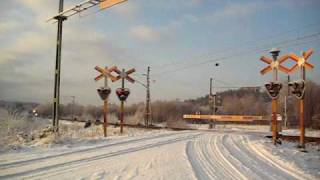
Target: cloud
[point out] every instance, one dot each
(145, 33)
(128, 10)
(234, 11)
(40, 8)
(27, 57)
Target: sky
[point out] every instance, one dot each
(180, 40)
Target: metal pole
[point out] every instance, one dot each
(147, 115)
(301, 102)
(56, 98)
(288, 80)
(105, 108)
(212, 104)
(286, 103)
(72, 108)
(122, 106)
(285, 112)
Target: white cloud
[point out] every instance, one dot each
(27, 55)
(128, 10)
(6, 27)
(233, 11)
(145, 33)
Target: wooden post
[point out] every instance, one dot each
(105, 117)
(274, 121)
(122, 105)
(275, 54)
(301, 102)
(104, 93)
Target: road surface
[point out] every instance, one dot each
(164, 155)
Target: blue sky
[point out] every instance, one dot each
(181, 40)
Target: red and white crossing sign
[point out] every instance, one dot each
(301, 61)
(274, 64)
(124, 74)
(105, 72)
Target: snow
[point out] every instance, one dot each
(235, 153)
(296, 132)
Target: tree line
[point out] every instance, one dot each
(242, 101)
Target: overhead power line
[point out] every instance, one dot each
(246, 52)
(250, 43)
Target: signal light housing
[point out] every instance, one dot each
(122, 93)
(273, 89)
(104, 92)
(297, 88)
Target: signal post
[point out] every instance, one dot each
(274, 87)
(122, 92)
(104, 92)
(298, 88)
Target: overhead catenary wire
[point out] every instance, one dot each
(208, 55)
(245, 52)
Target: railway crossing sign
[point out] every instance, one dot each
(274, 87)
(105, 91)
(105, 72)
(298, 88)
(124, 74)
(122, 92)
(274, 64)
(301, 61)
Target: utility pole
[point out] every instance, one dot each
(59, 18)
(212, 103)
(147, 120)
(72, 108)
(212, 100)
(56, 98)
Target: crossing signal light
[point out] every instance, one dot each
(273, 89)
(215, 98)
(122, 93)
(218, 100)
(297, 88)
(104, 92)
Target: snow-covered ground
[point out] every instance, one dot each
(163, 154)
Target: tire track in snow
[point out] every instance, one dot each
(233, 156)
(224, 168)
(263, 167)
(198, 163)
(227, 162)
(263, 153)
(207, 160)
(29, 161)
(66, 166)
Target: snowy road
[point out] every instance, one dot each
(163, 155)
